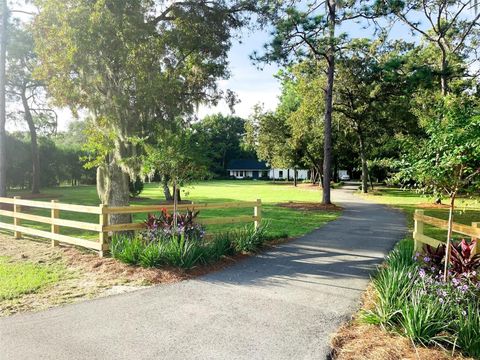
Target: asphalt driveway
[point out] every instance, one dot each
(282, 304)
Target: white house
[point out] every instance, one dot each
(284, 174)
(253, 169)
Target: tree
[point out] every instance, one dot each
(451, 28)
(448, 160)
(223, 140)
(134, 64)
(372, 94)
(311, 34)
(22, 87)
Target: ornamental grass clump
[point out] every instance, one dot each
(414, 300)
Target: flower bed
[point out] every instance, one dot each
(412, 299)
(179, 241)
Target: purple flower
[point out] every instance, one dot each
(426, 259)
(422, 273)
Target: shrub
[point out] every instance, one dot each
(413, 299)
(424, 319)
(162, 225)
(183, 252)
(222, 244)
(135, 187)
(127, 248)
(467, 328)
(152, 255)
(392, 286)
(249, 239)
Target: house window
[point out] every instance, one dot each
(241, 173)
(280, 173)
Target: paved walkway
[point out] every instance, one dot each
(283, 304)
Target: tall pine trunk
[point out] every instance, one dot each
(3, 116)
(327, 150)
(35, 186)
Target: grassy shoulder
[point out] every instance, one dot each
(402, 316)
(21, 278)
(467, 209)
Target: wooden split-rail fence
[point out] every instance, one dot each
(18, 211)
(420, 238)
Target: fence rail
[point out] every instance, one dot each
(102, 227)
(420, 238)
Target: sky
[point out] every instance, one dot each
(251, 84)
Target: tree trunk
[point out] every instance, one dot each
(35, 186)
(449, 236)
(3, 116)
(295, 177)
(166, 189)
(444, 69)
(363, 158)
(327, 150)
(113, 190)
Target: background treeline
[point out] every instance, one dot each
(60, 159)
(62, 155)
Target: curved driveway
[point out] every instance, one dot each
(282, 304)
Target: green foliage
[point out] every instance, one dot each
(222, 140)
(127, 248)
(61, 163)
(424, 319)
(138, 66)
(448, 160)
(185, 252)
(412, 299)
(136, 187)
(467, 327)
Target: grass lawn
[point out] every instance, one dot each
(282, 221)
(20, 278)
(467, 209)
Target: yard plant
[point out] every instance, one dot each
(412, 298)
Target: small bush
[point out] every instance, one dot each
(412, 298)
(183, 252)
(467, 328)
(127, 249)
(249, 239)
(152, 255)
(424, 319)
(135, 187)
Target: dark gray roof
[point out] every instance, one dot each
(247, 164)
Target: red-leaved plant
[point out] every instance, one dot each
(462, 259)
(163, 224)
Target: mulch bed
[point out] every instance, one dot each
(310, 206)
(432, 206)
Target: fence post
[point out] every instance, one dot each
(257, 213)
(418, 230)
(476, 250)
(55, 214)
(103, 236)
(16, 221)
